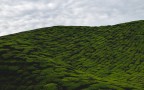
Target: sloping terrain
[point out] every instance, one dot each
(74, 58)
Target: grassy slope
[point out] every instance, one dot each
(74, 58)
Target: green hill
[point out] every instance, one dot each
(74, 58)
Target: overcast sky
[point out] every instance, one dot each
(21, 15)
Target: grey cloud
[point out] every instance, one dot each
(21, 15)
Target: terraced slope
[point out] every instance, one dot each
(74, 58)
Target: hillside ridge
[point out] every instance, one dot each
(74, 58)
(131, 22)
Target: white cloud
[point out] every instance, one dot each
(21, 15)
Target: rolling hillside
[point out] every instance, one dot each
(74, 58)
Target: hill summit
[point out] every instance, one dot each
(74, 58)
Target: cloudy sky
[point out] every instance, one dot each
(21, 15)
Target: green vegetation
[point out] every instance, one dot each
(74, 58)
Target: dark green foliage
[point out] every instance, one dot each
(74, 58)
